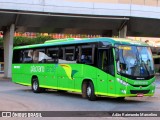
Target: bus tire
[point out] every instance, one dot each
(121, 98)
(90, 91)
(84, 89)
(35, 86)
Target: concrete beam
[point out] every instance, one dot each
(123, 32)
(8, 50)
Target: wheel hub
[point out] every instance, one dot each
(35, 85)
(88, 91)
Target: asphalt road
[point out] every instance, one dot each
(14, 97)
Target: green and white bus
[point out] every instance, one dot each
(110, 67)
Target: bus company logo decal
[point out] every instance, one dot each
(48, 69)
(140, 83)
(70, 73)
(51, 69)
(37, 68)
(17, 67)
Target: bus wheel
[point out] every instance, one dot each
(35, 86)
(84, 89)
(90, 91)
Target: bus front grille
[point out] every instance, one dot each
(139, 91)
(139, 85)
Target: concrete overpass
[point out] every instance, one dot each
(105, 17)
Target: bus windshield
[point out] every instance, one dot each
(135, 61)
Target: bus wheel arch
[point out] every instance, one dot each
(88, 90)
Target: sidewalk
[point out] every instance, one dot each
(2, 77)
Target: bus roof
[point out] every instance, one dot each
(68, 41)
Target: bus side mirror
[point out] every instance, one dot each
(123, 66)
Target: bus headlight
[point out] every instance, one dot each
(122, 82)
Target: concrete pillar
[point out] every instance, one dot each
(123, 32)
(8, 50)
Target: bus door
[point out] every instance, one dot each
(106, 72)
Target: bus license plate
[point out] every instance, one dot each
(140, 95)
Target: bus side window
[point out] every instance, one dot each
(67, 55)
(106, 61)
(52, 54)
(27, 56)
(17, 56)
(39, 56)
(61, 53)
(111, 62)
(87, 54)
(70, 53)
(35, 56)
(78, 54)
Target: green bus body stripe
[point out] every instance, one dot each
(116, 95)
(58, 88)
(23, 83)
